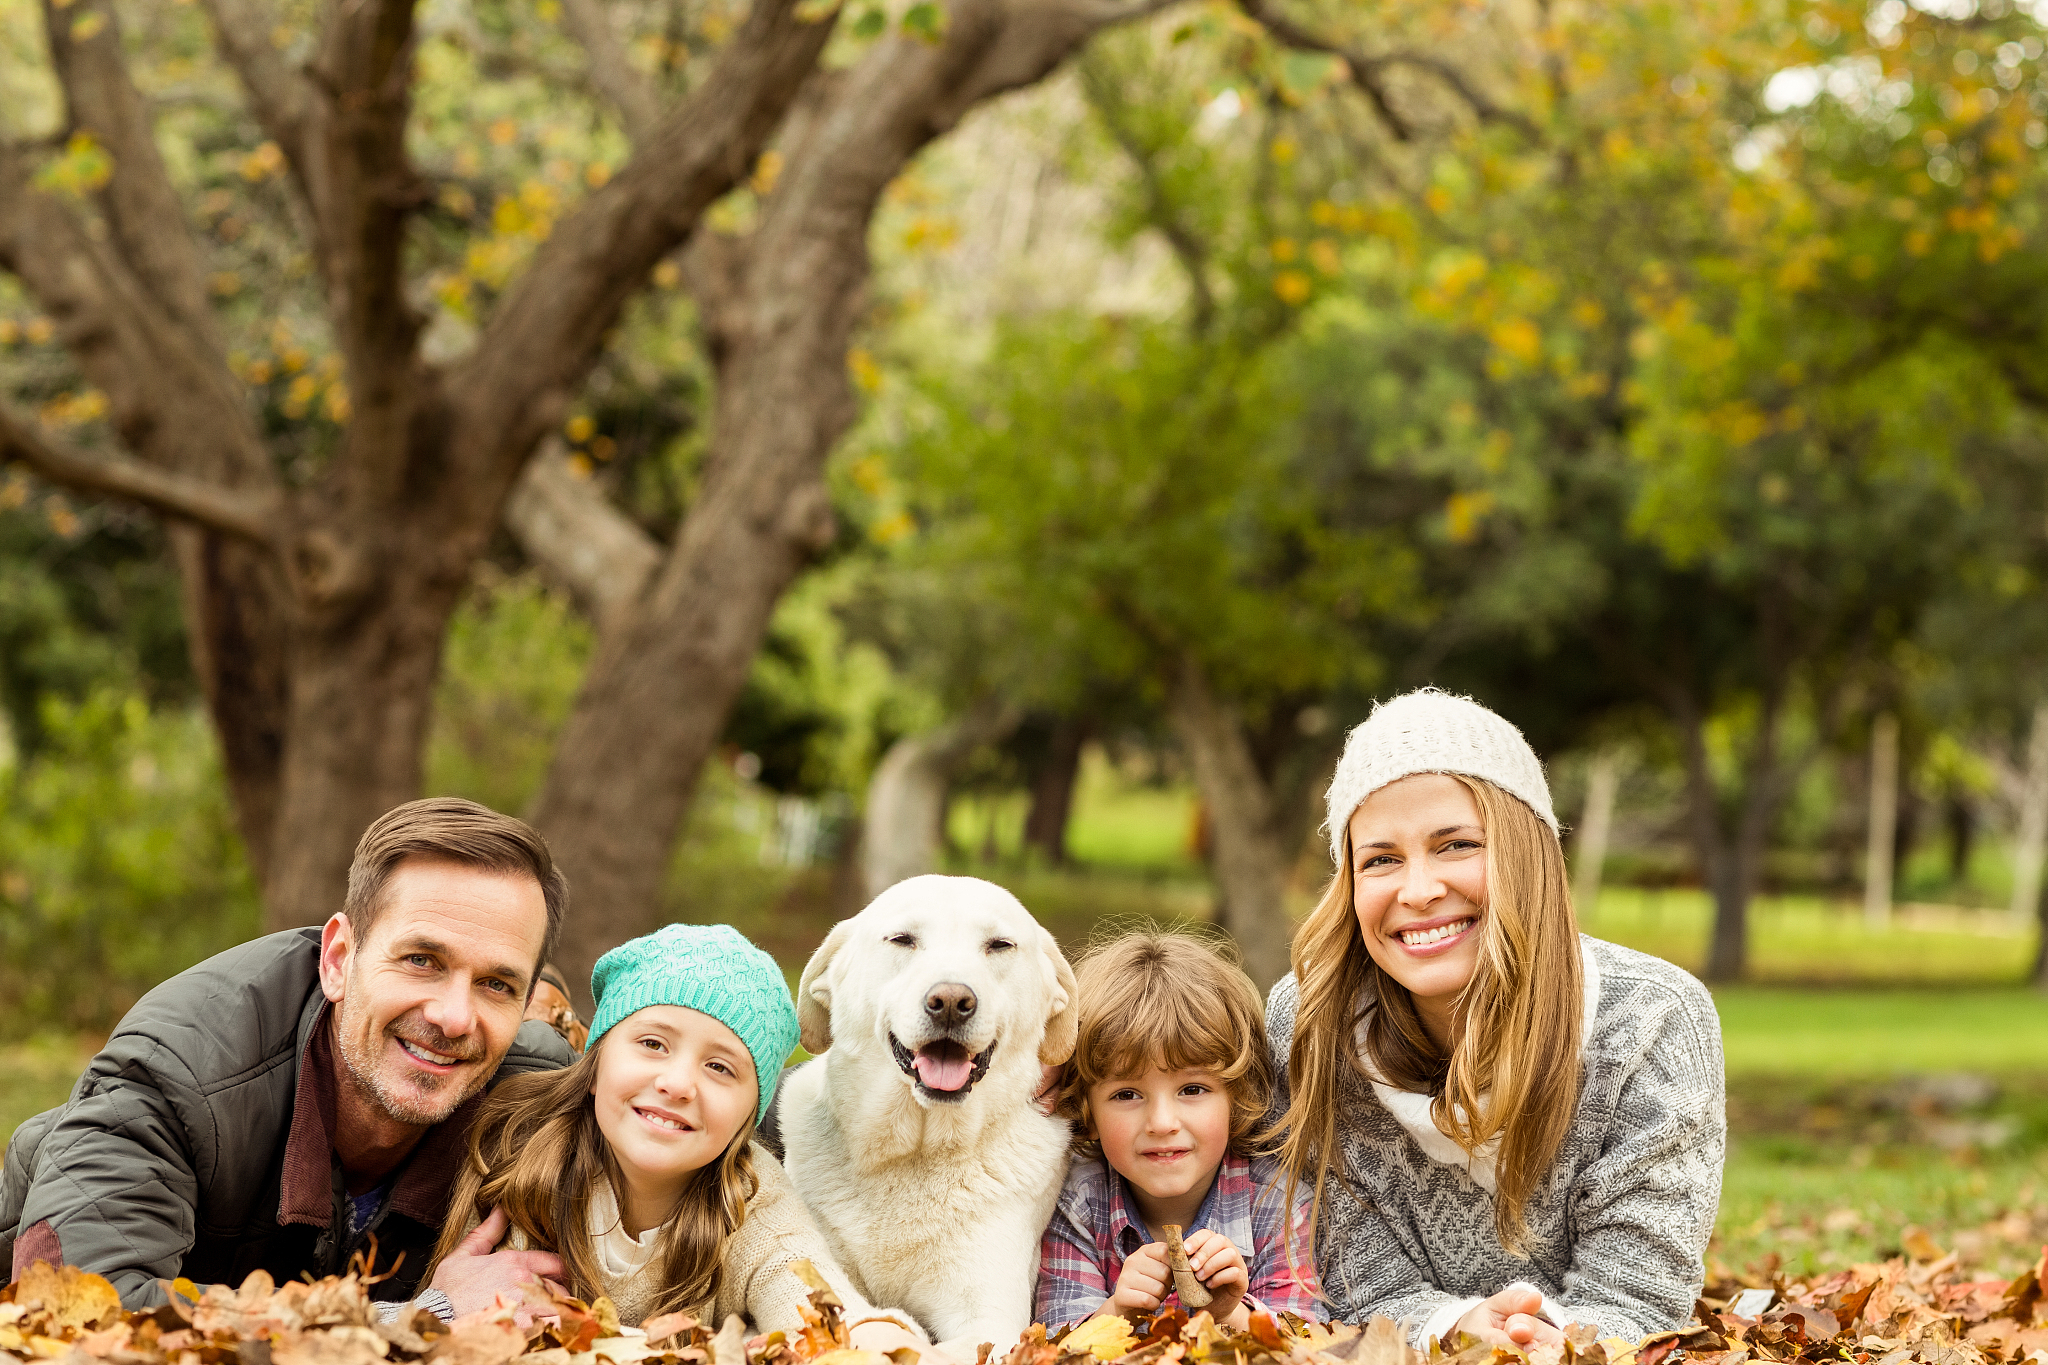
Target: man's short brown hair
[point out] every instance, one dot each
(456, 831)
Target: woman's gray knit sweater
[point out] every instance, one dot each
(1617, 1236)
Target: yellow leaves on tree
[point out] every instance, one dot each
(81, 168)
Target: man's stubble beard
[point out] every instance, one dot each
(360, 1057)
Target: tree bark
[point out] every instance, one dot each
(1052, 790)
(902, 832)
(1883, 823)
(1589, 850)
(316, 616)
(1730, 845)
(779, 309)
(1251, 859)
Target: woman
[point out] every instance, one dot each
(1508, 1128)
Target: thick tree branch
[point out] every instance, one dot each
(172, 400)
(1365, 73)
(546, 331)
(282, 100)
(252, 516)
(565, 523)
(145, 218)
(637, 99)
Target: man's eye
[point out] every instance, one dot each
(418, 960)
(497, 988)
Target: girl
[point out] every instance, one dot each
(636, 1165)
(1508, 1128)
(1169, 1077)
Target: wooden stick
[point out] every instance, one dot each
(1193, 1293)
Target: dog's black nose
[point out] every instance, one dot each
(949, 1003)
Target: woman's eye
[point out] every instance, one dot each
(1381, 860)
(1460, 845)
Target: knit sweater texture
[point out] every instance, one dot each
(1617, 1235)
(756, 1282)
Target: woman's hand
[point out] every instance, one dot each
(1218, 1264)
(1141, 1284)
(882, 1336)
(1511, 1318)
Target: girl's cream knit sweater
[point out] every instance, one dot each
(756, 1282)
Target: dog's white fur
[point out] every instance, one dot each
(932, 1206)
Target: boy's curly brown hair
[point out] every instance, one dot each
(1153, 997)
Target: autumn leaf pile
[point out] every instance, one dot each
(1917, 1309)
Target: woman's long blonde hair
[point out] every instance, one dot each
(1513, 1072)
(536, 1152)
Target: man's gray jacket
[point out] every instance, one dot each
(199, 1142)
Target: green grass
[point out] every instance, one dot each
(1842, 1032)
(38, 1075)
(1831, 1212)
(1807, 940)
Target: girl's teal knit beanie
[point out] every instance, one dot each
(709, 968)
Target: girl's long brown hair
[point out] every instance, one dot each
(536, 1152)
(1518, 1021)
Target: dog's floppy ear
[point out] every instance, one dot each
(1063, 1025)
(814, 993)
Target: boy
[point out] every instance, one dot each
(1169, 1078)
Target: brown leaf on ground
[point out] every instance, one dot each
(62, 1301)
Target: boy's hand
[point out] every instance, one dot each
(1511, 1318)
(1218, 1264)
(1142, 1283)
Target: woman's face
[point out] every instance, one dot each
(672, 1089)
(1418, 878)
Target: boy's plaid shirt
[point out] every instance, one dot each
(1097, 1226)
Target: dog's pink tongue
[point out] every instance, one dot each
(942, 1073)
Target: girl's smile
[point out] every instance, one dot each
(672, 1090)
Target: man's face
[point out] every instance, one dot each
(427, 1003)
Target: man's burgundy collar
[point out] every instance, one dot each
(306, 1191)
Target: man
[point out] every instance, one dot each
(294, 1101)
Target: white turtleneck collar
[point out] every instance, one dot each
(1412, 1111)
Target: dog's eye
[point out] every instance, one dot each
(999, 945)
(903, 940)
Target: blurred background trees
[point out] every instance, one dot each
(1024, 443)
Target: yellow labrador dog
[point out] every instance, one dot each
(914, 1140)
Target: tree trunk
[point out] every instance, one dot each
(779, 308)
(1251, 860)
(1884, 816)
(2031, 838)
(901, 832)
(1731, 859)
(362, 695)
(1589, 850)
(1052, 790)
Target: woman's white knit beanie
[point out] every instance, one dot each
(1433, 732)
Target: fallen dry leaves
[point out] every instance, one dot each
(1917, 1309)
